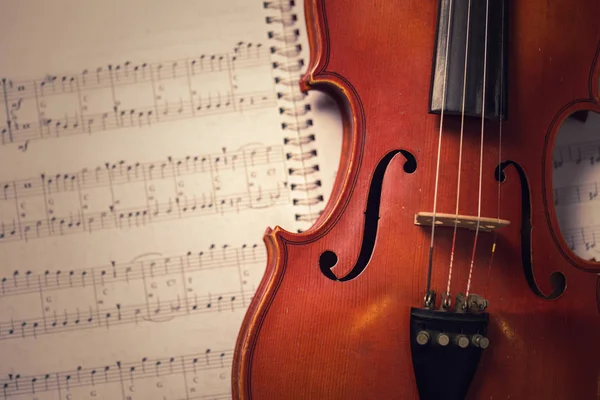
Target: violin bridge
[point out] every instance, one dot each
(463, 221)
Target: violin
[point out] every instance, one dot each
(437, 269)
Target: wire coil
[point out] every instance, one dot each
(299, 138)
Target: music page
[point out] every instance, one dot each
(576, 183)
(142, 157)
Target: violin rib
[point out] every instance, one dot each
(332, 316)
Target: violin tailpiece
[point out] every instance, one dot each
(446, 348)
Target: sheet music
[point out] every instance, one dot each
(141, 160)
(576, 179)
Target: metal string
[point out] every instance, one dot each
(447, 301)
(499, 151)
(481, 149)
(437, 172)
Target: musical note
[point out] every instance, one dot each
(84, 284)
(137, 161)
(575, 183)
(575, 194)
(577, 153)
(74, 191)
(171, 371)
(59, 105)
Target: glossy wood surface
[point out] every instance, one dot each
(308, 337)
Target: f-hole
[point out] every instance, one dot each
(329, 259)
(557, 280)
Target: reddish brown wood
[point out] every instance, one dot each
(307, 337)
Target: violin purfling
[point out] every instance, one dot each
(437, 269)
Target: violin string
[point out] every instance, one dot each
(487, 281)
(437, 172)
(487, 7)
(462, 126)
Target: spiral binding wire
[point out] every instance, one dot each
(288, 65)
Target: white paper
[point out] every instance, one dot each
(143, 161)
(576, 179)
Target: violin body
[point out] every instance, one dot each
(332, 318)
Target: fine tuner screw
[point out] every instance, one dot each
(443, 339)
(480, 341)
(423, 338)
(429, 299)
(462, 341)
(446, 301)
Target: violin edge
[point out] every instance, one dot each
(317, 78)
(591, 103)
(275, 239)
(248, 333)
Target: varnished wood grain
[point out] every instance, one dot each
(308, 337)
